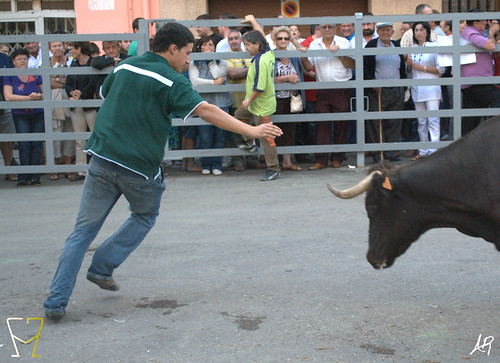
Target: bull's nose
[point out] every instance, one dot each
(377, 262)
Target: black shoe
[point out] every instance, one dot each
(54, 316)
(394, 158)
(22, 183)
(77, 177)
(270, 175)
(110, 284)
(35, 183)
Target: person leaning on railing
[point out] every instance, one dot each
(81, 87)
(27, 120)
(64, 150)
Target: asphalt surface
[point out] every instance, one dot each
(239, 270)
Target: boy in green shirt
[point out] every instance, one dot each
(260, 100)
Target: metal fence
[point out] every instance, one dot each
(360, 114)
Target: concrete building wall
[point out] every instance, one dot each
(118, 20)
(182, 9)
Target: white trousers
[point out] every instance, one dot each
(428, 126)
(81, 120)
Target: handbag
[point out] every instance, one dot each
(296, 104)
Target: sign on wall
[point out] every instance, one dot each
(290, 8)
(101, 4)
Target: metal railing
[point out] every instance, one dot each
(359, 115)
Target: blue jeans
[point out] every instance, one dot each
(30, 152)
(211, 137)
(104, 184)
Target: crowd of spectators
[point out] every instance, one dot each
(484, 34)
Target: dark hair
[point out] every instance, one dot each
(367, 13)
(471, 22)
(313, 28)
(171, 33)
(420, 8)
(244, 29)
(427, 28)
(227, 16)
(83, 46)
(448, 23)
(203, 17)
(204, 39)
(19, 51)
(135, 23)
(94, 48)
(197, 48)
(256, 36)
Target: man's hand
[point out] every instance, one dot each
(266, 130)
(334, 47)
(245, 104)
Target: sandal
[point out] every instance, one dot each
(418, 157)
(11, 177)
(69, 175)
(54, 176)
(292, 167)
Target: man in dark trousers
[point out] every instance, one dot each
(127, 145)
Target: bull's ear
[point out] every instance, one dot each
(382, 182)
(387, 184)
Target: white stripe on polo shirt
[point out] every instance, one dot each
(144, 72)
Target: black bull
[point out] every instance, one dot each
(457, 187)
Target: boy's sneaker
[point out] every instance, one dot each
(270, 175)
(250, 148)
(205, 172)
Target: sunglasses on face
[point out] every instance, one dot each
(283, 38)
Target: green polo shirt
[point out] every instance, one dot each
(260, 77)
(132, 124)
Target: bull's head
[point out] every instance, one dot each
(392, 228)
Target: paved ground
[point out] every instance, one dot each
(237, 270)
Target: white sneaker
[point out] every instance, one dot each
(205, 172)
(216, 172)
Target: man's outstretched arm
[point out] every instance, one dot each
(219, 118)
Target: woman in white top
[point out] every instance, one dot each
(210, 72)
(425, 66)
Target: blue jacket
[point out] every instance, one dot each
(5, 62)
(298, 68)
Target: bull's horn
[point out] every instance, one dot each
(356, 190)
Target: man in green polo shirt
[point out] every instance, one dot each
(127, 145)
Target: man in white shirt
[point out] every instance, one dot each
(331, 100)
(35, 59)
